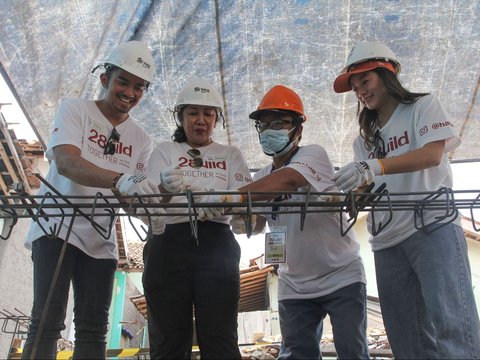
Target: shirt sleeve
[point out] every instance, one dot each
(240, 174)
(313, 163)
(67, 127)
(158, 161)
(144, 156)
(433, 124)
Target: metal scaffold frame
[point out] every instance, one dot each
(373, 200)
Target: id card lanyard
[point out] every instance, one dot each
(276, 245)
(276, 239)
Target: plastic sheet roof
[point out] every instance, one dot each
(49, 47)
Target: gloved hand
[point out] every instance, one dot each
(213, 212)
(331, 198)
(140, 184)
(172, 179)
(156, 222)
(356, 174)
(239, 224)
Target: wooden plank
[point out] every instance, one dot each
(8, 164)
(16, 159)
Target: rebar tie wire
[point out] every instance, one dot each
(379, 200)
(96, 226)
(451, 211)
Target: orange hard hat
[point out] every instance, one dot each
(280, 98)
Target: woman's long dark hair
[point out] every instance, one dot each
(179, 133)
(367, 119)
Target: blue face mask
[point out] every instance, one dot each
(275, 142)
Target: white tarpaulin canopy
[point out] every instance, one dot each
(49, 47)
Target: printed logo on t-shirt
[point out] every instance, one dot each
(423, 130)
(101, 140)
(140, 166)
(439, 125)
(310, 169)
(207, 163)
(394, 143)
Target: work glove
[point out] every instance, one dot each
(330, 198)
(156, 223)
(139, 184)
(213, 212)
(356, 174)
(172, 179)
(239, 224)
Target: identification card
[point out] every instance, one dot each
(276, 245)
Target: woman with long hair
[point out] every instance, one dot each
(423, 272)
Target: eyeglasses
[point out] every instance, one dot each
(196, 155)
(378, 146)
(111, 143)
(276, 124)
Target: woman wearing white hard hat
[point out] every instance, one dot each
(423, 273)
(183, 273)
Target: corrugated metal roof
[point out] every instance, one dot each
(253, 284)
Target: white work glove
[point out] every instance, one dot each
(239, 224)
(139, 184)
(213, 212)
(356, 174)
(330, 198)
(156, 222)
(172, 179)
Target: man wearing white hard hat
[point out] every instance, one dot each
(94, 146)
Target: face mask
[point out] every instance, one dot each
(275, 142)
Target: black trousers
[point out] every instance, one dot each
(180, 276)
(92, 281)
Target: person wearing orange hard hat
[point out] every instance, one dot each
(320, 272)
(421, 259)
(275, 139)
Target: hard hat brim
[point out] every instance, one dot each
(257, 114)
(342, 82)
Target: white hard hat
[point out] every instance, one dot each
(366, 56)
(198, 92)
(134, 57)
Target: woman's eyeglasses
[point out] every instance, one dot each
(378, 146)
(111, 143)
(196, 156)
(277, 124)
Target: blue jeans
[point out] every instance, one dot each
(425, 290)
(92, 281)
(301, 324)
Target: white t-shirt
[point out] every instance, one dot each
(224, 168)
(319, 260)
(80, 123)
(411, 127)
